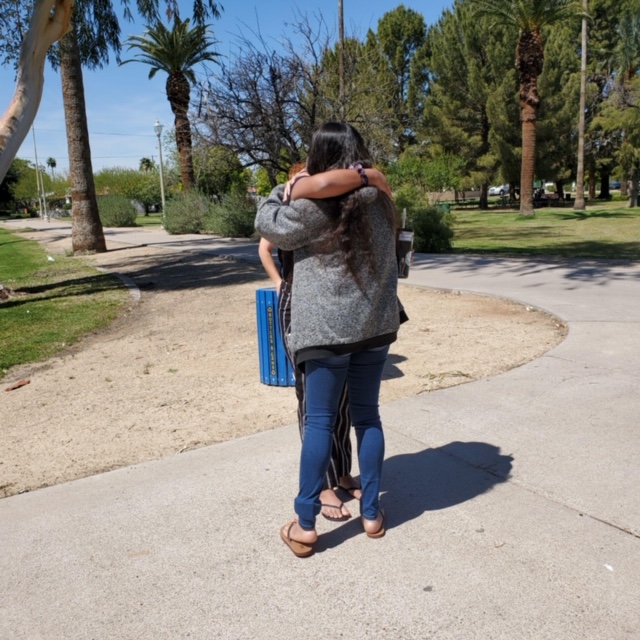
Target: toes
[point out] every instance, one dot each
(335, 511)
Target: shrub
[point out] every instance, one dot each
(187, 213)
(116, 211)
(233, 216)
(143, 186)
(432, 229)
(409, 197)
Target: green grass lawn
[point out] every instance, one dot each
(150, 220)
(54, 302)
(604, 230)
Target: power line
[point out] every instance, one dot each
(102, 133)
(57, 157)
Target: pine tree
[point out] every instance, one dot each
(463, 73)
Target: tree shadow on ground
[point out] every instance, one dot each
(159, 273)
(591, 270)
(183, 271)
(72, 287)
(585, 215)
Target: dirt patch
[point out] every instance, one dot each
(179, 369)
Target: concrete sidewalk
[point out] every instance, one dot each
(513, 503)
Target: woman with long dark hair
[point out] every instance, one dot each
(338, 481)
(344, 316)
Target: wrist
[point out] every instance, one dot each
(362, 172)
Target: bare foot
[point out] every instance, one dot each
(351, 486)
(374, 528)
(298, 534)
(332, 507)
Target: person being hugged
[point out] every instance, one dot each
(344, 316)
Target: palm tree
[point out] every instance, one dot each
(87, 234)
(530, 17)
(52, 164)
(146, 164)
(176, 52)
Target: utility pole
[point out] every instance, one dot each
(579, 203)
(157, 127)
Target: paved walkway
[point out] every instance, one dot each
(513, 504)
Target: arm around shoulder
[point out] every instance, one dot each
(288, 227)
(338, 182)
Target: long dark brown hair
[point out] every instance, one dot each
(338, 145)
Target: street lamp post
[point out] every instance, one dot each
(157, 127)
(39, 183)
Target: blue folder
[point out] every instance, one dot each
(275, 368)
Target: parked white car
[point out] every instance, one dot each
(500, 190)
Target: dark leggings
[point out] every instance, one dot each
(340, 462)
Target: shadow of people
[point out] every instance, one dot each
(390, 369)
(429, 480)
(433, 479)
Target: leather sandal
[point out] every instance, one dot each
(300, 549)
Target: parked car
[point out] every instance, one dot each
(614, 184)
(500, 190)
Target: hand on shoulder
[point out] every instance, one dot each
(378, 179)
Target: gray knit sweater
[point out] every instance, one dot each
(328, 307)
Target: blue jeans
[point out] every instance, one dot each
(324, 381)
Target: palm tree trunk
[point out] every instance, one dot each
(529, 62)
(528, 114)
(178, 94)
(87, 235)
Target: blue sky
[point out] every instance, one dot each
(123, 104)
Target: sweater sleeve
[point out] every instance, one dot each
(289, 227)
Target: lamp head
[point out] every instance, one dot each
(157, 127)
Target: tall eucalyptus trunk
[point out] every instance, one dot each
(485, 129)
(624, 190)
(592, 183)
(49, 22)
(87, 235)
(633, 188)
(178, 94)
(579, 203)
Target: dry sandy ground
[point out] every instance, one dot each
(180, 368)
